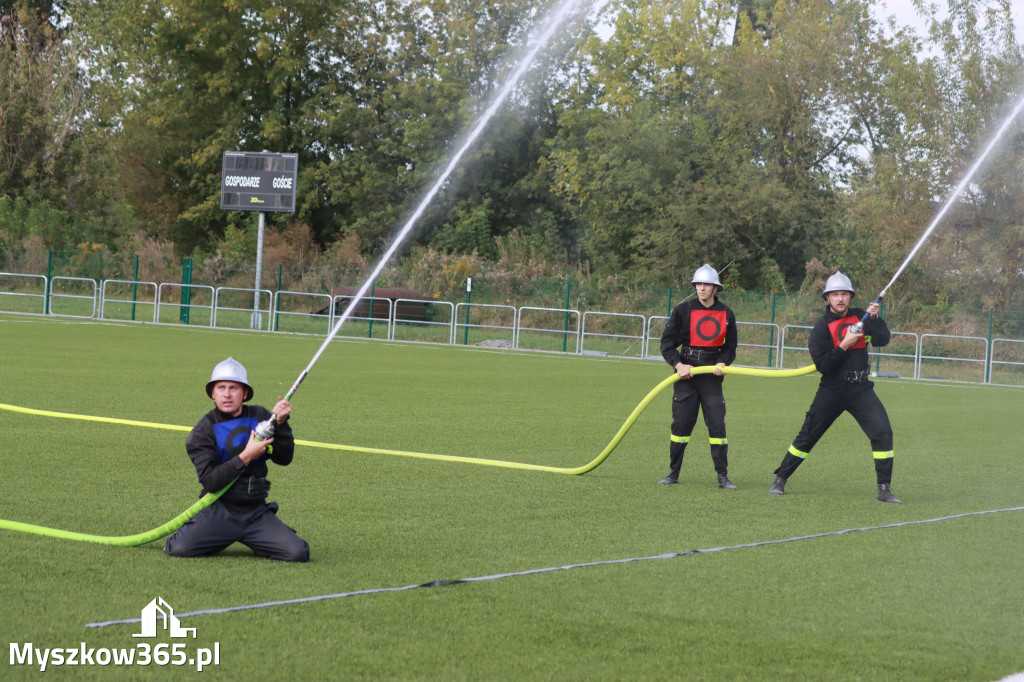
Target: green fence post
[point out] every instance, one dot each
(565, 325)
(135, 285)
(469, 293)
(878, 357)
(186, 291)
(277, 303)
(373, 288)
(49, 274)
(988, 354)
(668, 307)
(771, 333)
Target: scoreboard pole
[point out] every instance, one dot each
(257, 322)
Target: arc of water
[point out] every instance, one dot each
(957, 191)
(558, 16)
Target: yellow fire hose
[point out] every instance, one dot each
(208, 499)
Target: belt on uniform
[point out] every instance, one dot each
(693, 355)
(855, 377)
(252, 485)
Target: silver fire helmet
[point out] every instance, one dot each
(837, 282)
(706, 274)
(230, 370)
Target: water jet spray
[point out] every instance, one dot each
(957, 191)
(265, 429)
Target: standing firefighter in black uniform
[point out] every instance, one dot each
(700, 333)
(839, 350)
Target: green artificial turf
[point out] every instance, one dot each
(927, 601)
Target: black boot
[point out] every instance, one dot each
(789, 464)
(883, 476)
(725, 483)
(720, 457)
(675, 462)
(885, 494)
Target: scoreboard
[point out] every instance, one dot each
(258, 181)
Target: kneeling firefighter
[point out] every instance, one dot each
(225, 449)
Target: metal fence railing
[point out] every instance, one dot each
(609, 295)
(912, 354)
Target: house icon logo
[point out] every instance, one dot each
(157, 609)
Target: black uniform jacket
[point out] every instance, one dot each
(216, 441)
(691, 325)
(828, 333)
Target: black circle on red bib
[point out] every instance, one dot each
(700, 328)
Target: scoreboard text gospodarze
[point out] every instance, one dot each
(258, 181)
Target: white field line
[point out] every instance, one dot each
(550, 569)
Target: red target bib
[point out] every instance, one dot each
(707, 328)
(838, 330)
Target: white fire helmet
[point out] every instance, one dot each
(706, 274)
(230, 370)
(837, 282)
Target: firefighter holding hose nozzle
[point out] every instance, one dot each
(224, 447)
(841, 355)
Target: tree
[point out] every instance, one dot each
(942, 96)
(372, 95)
(40, 98)
(426, 72)
(807, 134)
(687, 145)
(178, 84)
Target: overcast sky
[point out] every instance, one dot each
(903, 11)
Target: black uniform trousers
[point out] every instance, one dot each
(701, 392)
(829, 402)
(256, 527)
